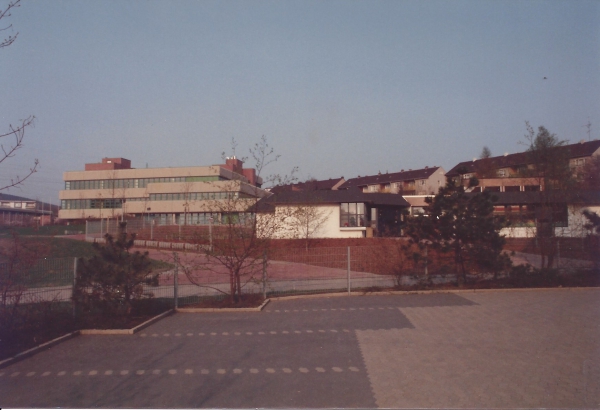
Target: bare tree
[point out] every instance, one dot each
(15, 133)
(307, 218)
(239, 243)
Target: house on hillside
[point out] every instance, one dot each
(426, 181)
(512, 172)
(331, 184)
(522, 197)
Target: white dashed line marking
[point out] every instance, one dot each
(336, 369)
(106, 373)
(286, 370)
(140, 372)
(270, 370)
(189, 371)
(346, 330)
(273, 333)
(285, 332)
(261, 333)
(154, 335)
(333, 331)
(156, 371)
(200, 334)
(353, 369)
(303, 370)
(225, 333)
(61, 373)
(237, 371)
(30, 374)
(166, 335)
(249, 333)
(333, 309)
(44, 374)
(309, 331)
(143, 335)
(204, 371)
(221, 371)
(320, 369)
(253, 371)
(172, 371)
(297, 331)
(93, 373)
(15, 374)
(213, 334)
(177, 334)
(190, 334)
(352, 309)
(237, 333)
(124, 372)
(277, 311)
(321, 331)
(77, 373)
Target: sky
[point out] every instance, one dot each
(338, 88)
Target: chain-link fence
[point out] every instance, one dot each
(50, 279)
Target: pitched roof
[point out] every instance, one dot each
(8, 197)
(387, 178)
(313, 185)
(329, 197)
(581, 149)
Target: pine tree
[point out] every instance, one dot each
(113, 279)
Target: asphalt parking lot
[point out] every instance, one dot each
(496, 349)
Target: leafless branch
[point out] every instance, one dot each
(6, 13)
(9, 150)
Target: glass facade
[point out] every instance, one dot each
(352, 214)
(133, 182)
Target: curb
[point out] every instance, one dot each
(427, 292)
(212, 310)
(34, 350)
(126, 331)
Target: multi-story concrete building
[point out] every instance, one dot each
(182, 195)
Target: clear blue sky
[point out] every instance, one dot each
(339, 88)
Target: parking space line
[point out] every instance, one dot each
(220, 371)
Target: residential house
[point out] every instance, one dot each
(348, 213)
(426, 181)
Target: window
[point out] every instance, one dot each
(373, 188)
(501, 172)
(352, 214)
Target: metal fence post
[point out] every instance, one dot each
(175, 280)
(264, 275)
(348, 270)
(426, 257)
(74, 284)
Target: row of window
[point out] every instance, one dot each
(133, 182)
(91, 203)
(118, 203)
(198, 196)
(199, 218)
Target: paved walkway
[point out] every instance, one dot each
(512, 349)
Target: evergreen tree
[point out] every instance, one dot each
(113, 279)
(464, 224)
